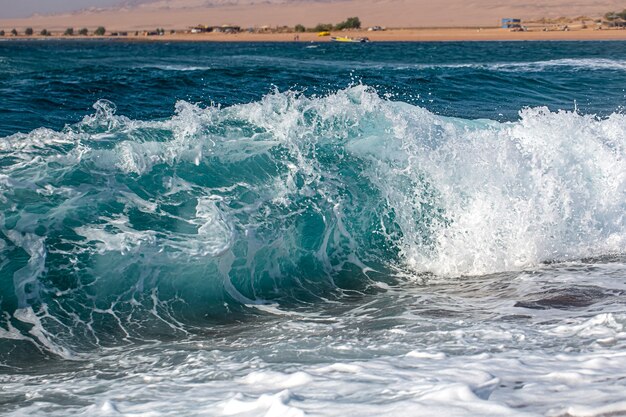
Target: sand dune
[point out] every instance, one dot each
(176, 14)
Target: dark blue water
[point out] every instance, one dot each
(54, 83)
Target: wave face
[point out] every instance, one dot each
(113, 223)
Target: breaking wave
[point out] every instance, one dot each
(117, 229)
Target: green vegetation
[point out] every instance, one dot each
(83, 32)
(14, 32)
(615, 15)
(69, 32)
(100, 31)
(323, 27)
(1, 32)
(44, 32)
(349, 23)
(28, 31)
(299, 28)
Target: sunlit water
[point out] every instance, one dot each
(312, 229)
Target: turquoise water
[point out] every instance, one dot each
(312, 229)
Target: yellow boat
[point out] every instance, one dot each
(323, 34)
(347, 39)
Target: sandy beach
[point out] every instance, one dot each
(392, 35)
(408, 35)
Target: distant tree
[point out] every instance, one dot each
(28, 32)
(14, 32)
(83, 32)
(611, 16)
(137, 33)
(323, 27)
(1, 32)
(172, 32)
(349, 23)
(354, 22)
(69, 32)
(299, 28)
(44, 32)
(100, 31)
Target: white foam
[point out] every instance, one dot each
(426, 355)
(181, 67)
(573, 64)
(217, 235)
(270, 405)
(614, 409)
(472, 363)
(278, 379)
(115, 235)
(28, 315)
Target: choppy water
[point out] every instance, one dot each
(297, 229)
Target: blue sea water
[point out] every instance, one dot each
(320, 229)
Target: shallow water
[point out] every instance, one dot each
(287, 230)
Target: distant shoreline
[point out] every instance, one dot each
(392, 35)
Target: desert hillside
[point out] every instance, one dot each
(176, 14)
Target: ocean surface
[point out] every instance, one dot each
(286, 230)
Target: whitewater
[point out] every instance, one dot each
(408, 244)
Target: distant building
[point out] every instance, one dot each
(508, 23)
(219, 29)
(226, 29)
